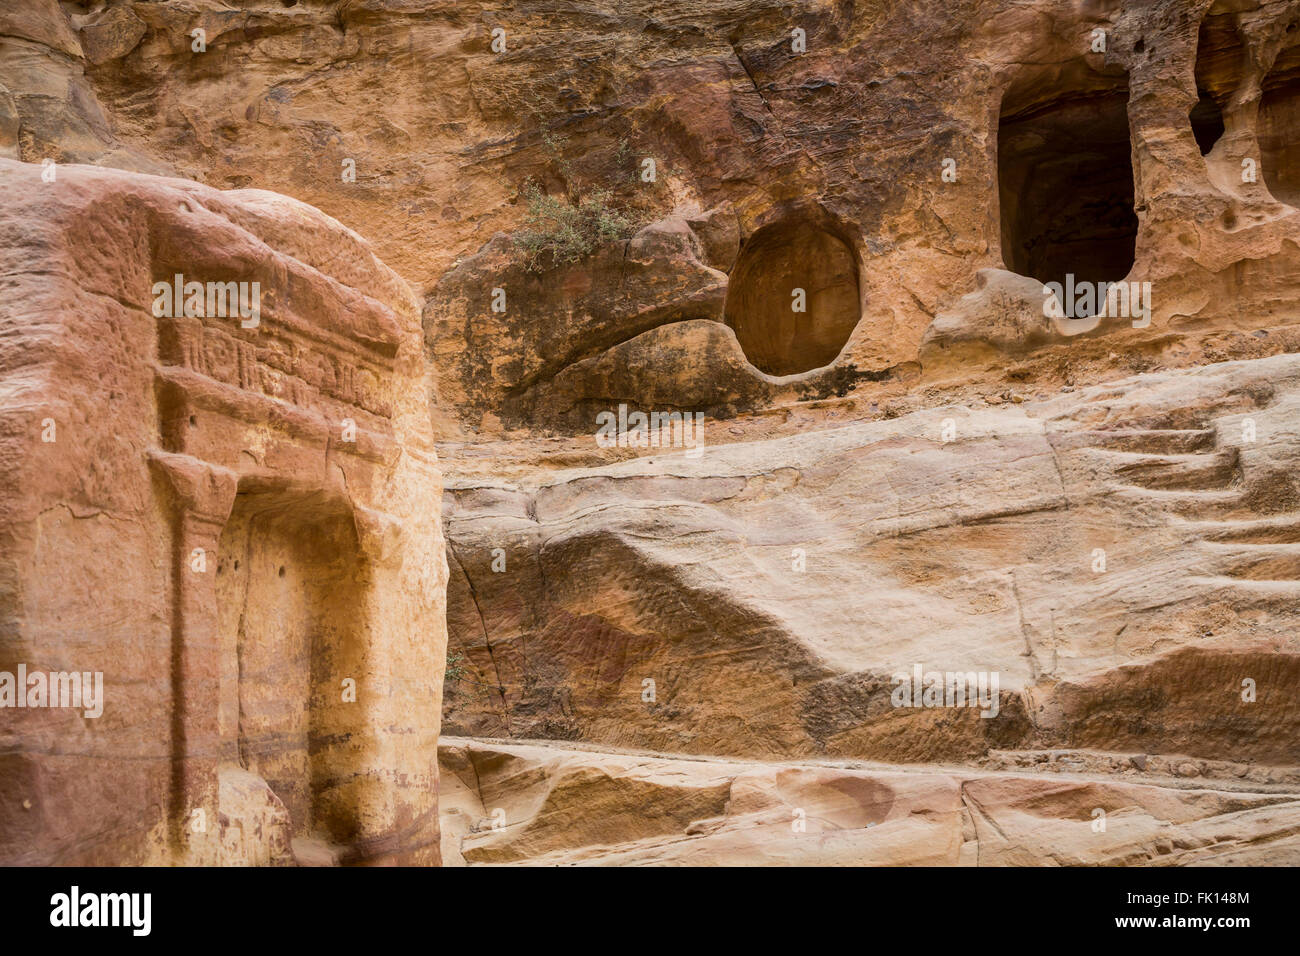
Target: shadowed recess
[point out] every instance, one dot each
(1065, 180)
(763, 298)
(1279, 119)
(291, 596)
(1221, 60)
(1207, 123)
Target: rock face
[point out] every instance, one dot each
(871, 430)
(545, 804)
(1095, 550)
(657, 280)
(1159, 137)
(231, 518)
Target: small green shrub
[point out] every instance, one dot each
(455, 666)
(559, 231)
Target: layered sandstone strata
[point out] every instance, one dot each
(551, 804)
(1123, 556)
(910, 457)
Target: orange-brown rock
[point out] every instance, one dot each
(899, 137)
(1096, 550)
(233, 518)
(862, 249)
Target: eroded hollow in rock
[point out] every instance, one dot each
(1221, 59)
(1065, 180)
(763, 299)
(1207, 123)
(1279, 128)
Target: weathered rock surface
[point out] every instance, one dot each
(1121, 556)
(1096, 550)
(901, 134)
(545, 804)
(840, 262)
(548, 323)
(236, 526)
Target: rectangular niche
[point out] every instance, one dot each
(1065, 181)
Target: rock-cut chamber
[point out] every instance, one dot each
(793, 298)
(1065, 182)
(1279, 126)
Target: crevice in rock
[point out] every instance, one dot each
(487, 641)
(1207, 123)
(1221, 58)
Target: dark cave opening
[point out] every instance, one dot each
(1065, 182)
(1207, 123)
(1279, 120)
(1220, 64)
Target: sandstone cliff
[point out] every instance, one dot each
(820, 235)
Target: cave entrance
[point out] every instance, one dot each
(1207, 123)
(1221, 60)
(291, 594)
(1279, 121)
(1065, 182)
(793, 299)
